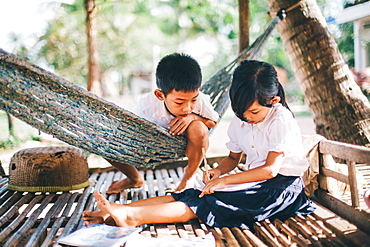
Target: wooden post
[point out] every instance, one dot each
(353, 183)
(244, 14)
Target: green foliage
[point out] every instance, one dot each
(128, 31)
(345, 43)
(13, 142)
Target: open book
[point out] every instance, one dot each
(99, 235)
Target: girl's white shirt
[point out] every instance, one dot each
(278, 132)
(154, 110)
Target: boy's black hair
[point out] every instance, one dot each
(178, 71)
(254, 80)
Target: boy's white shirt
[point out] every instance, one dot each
(278, 132)
(154, 110)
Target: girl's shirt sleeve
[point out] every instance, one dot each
(234, 132)
(285, 136)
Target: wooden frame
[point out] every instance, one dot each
(352, 155)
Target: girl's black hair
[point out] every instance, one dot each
(254, 80)
(178, 71)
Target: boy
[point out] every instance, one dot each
(178, 105)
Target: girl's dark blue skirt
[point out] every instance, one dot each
(279, 197)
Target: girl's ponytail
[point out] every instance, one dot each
(281, 94)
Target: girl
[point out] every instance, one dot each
(270, 187)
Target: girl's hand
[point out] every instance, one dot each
(211, 175)
(212, 185)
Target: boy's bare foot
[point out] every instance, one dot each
(116, 211)
(118, 186)
(97, 217)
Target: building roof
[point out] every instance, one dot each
(354, 12)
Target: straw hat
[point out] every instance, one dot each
(48, 169)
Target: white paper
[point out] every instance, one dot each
(99, 235)
(140, 240)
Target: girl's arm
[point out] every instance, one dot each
(226, 165)
(269, 170)
(229, 163)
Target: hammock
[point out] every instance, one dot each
(73, 115)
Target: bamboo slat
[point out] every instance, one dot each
(10, 201)
(264, 234)
(15, 223)
(229, 236)
(52, 213)
(14, 209)
(27, 225)
(150, 183)
(181, 230)
(197, 228)
(239, 235)
(276, 234)
(57, 224)
(160, 183)
(219, 239)
(290, 232)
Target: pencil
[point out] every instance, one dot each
(205, 162)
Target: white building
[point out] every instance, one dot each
(360, 15)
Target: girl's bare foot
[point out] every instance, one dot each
(119, 213)
(118, 186)
(97, 217)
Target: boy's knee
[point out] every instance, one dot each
(197, 130)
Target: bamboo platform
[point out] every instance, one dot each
(39, 219)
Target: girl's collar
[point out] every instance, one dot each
(262, 124)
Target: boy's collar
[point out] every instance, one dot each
(165, 106)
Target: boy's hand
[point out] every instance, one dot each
(212, 185)
(179, 124)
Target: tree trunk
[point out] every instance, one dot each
(244, 14)
(340, 111)
(93, 77)
(10, 125)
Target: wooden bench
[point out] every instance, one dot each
(38, 219)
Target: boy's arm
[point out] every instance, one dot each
(179, 124)
(207, 122)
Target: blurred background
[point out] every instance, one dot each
(131, 37)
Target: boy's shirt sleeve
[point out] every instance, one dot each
(205, 109)
(140, 106)
(153, 110)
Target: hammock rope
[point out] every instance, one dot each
(75, 116)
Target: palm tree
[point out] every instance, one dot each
(340, 111)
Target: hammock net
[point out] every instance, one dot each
(75, 116)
